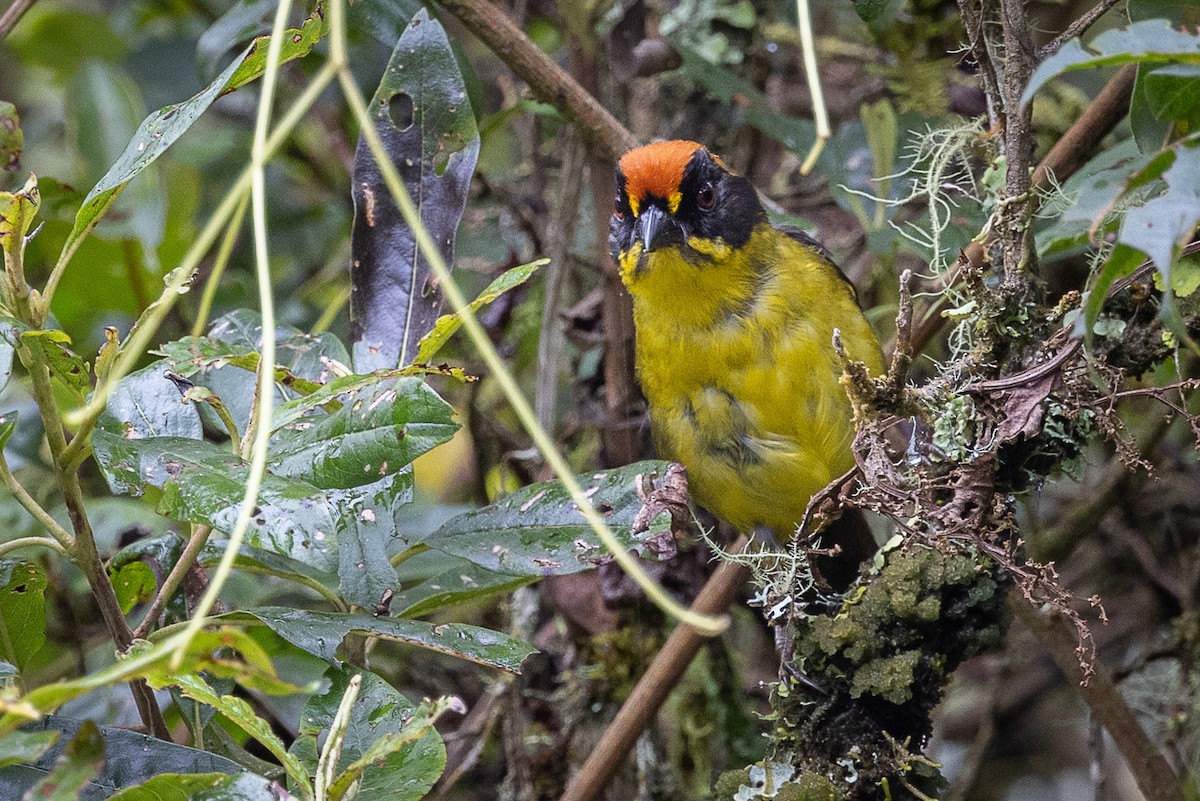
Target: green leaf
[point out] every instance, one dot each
(327, 396)
(1123, 261)
(163, 128)
(389, 746)
(377, 431)
(8, 424)
(264, 562)
(434, 147)
(134, 583)
(147, 404)
(22, 611)
(244, 20)
(320, 634)
(25, 746)
(448, 324)
(79, 764)
(12, 141)
(1163, 225)
(17, 210)
(795, 134)
(1149, 41)
(240, 713)
(205, 787)
(64, 363)
(538, 531)
(1171, 92)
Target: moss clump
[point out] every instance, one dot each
(806, 787)
(881, 661)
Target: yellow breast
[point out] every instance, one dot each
(736, 358)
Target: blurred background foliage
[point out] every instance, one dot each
(82, 75)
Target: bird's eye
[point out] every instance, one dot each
(620, 215)
(706, 198)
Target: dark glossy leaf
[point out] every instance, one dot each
(147, 404)
(377, 431)
(538, 531)
(164, 127)
(380, 716)
(383, 20)
(79, 763)
(12, 140)
(320, 634)
(448, 324)
(428, 130)
(1149, 131)
(132, 758)
(264, 562)
(22, 611)
(1150, 41)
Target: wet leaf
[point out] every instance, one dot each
(428, 130)
(377, 431)
(147, 404)
(538, 531)
(320, 634)
(24, 746)
(460, 583)
(22, 611)
(448, 324)
(65, 365)
(390, 746)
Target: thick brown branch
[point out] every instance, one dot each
(548, 81)
(1150, 769)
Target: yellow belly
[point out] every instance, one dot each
(750, 401)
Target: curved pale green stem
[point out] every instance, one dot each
(218, 270)
(30, 542)
(260, 414)
(820, 115)
(705, 624)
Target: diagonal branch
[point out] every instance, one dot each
(1076, 28)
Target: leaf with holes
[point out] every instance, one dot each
(428, 130)
(22, 611)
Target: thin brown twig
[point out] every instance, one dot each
(656, 684)
(1076, 28)
(12, 15)
(186, 559)
(1149, 767)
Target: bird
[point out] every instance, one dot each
(734, 319)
